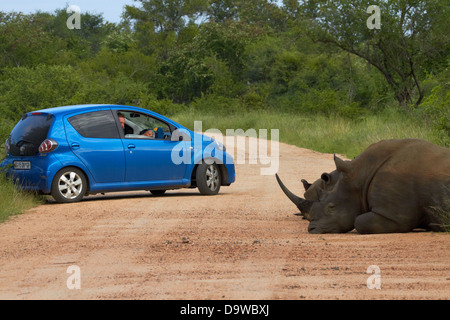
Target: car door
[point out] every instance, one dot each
(94, 138)
(149, 158)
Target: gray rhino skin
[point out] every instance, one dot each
(393, 186)
(314, 190)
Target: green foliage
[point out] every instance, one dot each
(256, 54)
(164, 107)
(323, 133)
(217, 105)
(25, 89)
(411, 37)
(24, 42)
(211, 63)
(6, 127)
(119, 41)
(435, 110)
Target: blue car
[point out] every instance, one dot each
(71, 151)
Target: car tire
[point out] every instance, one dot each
(157, 192)
(69, 185)
(208, 178)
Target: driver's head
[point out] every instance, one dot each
(121, 119)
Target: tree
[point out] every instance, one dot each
(222, 10)
(24, 40)
(85, 41)
(214, 54)
(157, 22)
(166, 15)
(412, 36)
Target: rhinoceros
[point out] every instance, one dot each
(393, 186)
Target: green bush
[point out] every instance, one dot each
(217, 105)
(25, 89)
(99, 88)
(6, 127)
(164, 107)
(435, 109)
(323, 133)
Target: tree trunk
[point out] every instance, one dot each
(403, 97)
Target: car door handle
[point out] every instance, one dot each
(75, 145)
(131, 146)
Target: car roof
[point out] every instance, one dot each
(77, 107)
(61, 111)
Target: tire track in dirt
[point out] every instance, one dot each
(244, 243)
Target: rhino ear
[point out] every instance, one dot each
(326, 177)
(341, 165)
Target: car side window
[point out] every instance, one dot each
(144, 126)
(98, 124)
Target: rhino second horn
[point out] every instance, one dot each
(341, 165)
(302, 204)
(306, 184)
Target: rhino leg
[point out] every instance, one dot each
(372, 222)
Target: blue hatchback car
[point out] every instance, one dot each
(73, 151)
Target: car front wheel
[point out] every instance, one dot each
(69, 185)
(208, 178)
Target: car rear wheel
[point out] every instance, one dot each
(69, 185)
(208, 178)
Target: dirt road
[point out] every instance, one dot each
(245, 243)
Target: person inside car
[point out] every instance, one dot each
(126, 128)
(147, 133)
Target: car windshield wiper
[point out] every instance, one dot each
(23, 141)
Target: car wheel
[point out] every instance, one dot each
(208, 178)
(69, 185)
(158, 192)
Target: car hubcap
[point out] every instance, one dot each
(212, 177)
(70, 185)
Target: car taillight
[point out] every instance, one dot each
(7, 146)
(48, 145)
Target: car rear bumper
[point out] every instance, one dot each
(37, 178)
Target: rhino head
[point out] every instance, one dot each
(331, 203)
(312, 192)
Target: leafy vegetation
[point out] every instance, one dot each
(312, 69)
(324, 133)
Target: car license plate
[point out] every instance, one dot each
(22, 165)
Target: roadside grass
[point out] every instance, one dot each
(328, 134)
(13, 201)
(443, 215)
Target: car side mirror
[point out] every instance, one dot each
(180, 135)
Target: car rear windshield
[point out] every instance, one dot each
(29, 133)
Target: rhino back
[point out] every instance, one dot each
(412, 181)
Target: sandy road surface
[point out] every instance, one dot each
(245, 243)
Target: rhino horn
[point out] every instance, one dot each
(303, 205)
(341, 165)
